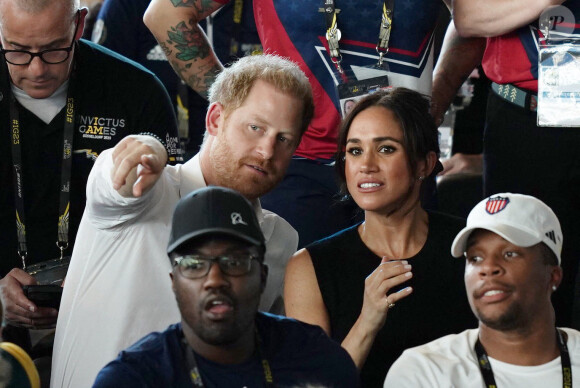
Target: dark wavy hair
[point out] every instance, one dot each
(420, 135)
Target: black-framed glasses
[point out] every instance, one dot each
(51, 56)
(198, 266)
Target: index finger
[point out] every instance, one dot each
(126, 163)
(386, 259)
(147, 174)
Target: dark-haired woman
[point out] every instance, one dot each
(349, 283)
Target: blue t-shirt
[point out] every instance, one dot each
(298, 354)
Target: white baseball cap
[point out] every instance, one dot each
(520, 219)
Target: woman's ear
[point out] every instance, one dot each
(425, 167)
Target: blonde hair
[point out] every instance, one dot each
(233, 85)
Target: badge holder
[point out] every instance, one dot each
(558, 72)
(352, 90)
(50, 271)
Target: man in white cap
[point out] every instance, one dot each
(512, 245)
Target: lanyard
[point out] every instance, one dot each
(487, 373)
(236, 38)
(333, 34)
(194, 370)
(64, 200)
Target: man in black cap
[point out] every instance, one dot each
(259, 108)
(217, 251)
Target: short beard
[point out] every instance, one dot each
(220, 335)
(226, 172)
(512, 319)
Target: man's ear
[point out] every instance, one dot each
(82, 18)
(172, 281)
(214, 118)
(263, 277)
(556, 275)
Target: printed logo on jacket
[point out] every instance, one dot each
(103, 128)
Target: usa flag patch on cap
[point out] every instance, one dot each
(496, 204)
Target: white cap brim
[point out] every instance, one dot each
(514, 235)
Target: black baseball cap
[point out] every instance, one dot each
(214, 210)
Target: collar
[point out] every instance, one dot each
(46, 108)
(191, 176)
(192, 179)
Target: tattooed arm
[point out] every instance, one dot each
(459, 56)
(174, 23)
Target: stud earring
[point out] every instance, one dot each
(422, 177)
(554, 288)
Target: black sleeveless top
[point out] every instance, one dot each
(438, 305)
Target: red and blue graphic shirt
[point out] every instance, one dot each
(296, 30)
(513, 58)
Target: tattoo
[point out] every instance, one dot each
(201, 80)
(166, 50)
(183, 3)
(210, 76)
(192, 58)
(189, 42)
(203, 5)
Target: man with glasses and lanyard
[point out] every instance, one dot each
(512, 246)
(62, 101)
(216, 248)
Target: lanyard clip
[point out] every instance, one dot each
(336, 61)
(23, 255)
(62, 245)
(333, 35)
(382, 53)
(384, 36)
(385, 31)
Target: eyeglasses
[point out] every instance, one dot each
(51, 56)
(198, 266)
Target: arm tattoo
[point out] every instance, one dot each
(200, 80)
(188, 42)
(202, 7)
(166, 50)
(183, 3)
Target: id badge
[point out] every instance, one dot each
(50, 271)
(352, 90)
(559, 86)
